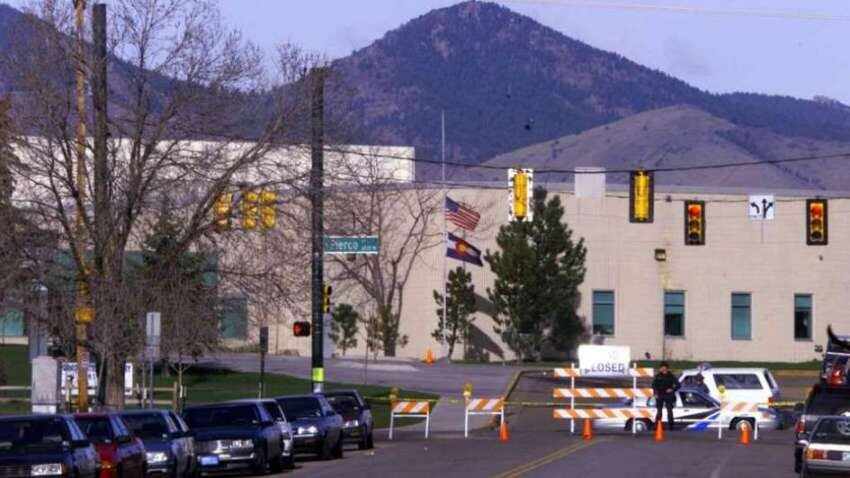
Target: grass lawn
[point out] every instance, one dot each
(210, 385)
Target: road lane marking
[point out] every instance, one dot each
(550, 458)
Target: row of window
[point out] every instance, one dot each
(674, 314)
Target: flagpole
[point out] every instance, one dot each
(444, 345)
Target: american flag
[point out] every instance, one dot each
(461, 216)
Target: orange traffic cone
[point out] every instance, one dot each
(745, 434)
(429, 357)
(503, 431)
(659, 431)
(587, 433)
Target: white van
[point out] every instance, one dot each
(751, 385)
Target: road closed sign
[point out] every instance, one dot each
(604, 360)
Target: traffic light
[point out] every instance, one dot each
(641, 196)
(268, 209)
(301, 329)
(694, 223)
(520, 185)
(250, 209)
(816, 222)
(221, 211)
(326, 298)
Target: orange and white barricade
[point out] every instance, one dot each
(411, 409)
(592, 413)
(601, 392)
(483, 406)
(740, 409)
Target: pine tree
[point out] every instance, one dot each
(344, 327)
(538, 271)
(460, 305)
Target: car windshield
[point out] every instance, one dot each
(305, 407)
(831, 430)
(18, 436)
(147, 425)
(208, 417)
(829, 402)
(344, 403)
(96, 428)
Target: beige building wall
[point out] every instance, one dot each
(768, 259)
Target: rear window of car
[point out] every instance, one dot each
(147, 425)
(828, 403)
(220, 416)
(19, 437)
(831, 430)
(343, 403)
(97, 429)
(302, 407)
(738, 381)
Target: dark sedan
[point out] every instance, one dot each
(122, 455)
(317, 427)
(169, 448)
(357, 424)
(236, 436)
(45, 445)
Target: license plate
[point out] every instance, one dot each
(845, 456)
(209, 460)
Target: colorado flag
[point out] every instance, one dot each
(457, 248)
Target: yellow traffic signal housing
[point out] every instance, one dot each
(221, 211)
(520, 194)
(694, 223)
(268, 209)
(816, 222)
(250, 209)
(326, 298)
(641, 196)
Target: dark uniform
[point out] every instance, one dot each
(663, 398)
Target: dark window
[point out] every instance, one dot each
(343, 403)
(741, 326)
(695, 400)
(827, 402)
(12, 323)
(152, 425)
(234, 318)
(802, 316)
(218, 417)
(274, 410)
(306, 407)
(96, 429)
(603, 312)
(832, 430)
(738, 381)
(674, 314)
(18, 437)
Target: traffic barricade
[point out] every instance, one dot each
(410, 409)
(483, 406)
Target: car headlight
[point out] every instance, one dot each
(311, 430)
(352, 424)
(156, 457)
(47, 469)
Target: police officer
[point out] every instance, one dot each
(700, 385)
(664, 386)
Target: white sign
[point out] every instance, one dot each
(604, 360)
(153, 331)
(761, 207)
(69, 376)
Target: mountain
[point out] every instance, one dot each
(680, 137)
(506, 81)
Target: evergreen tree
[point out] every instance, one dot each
(460, 305)
(344, 327)
(538, 271)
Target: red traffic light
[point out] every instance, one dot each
(816, 225)
(694, 223)
(301, 329)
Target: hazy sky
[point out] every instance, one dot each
(793, 47)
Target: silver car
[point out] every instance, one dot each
(693, 409)
(828, 451)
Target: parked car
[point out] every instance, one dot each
(122, 454)
(695, 407)
(823, 400)
(45, 445)
(278, 416)
(828, 448)
(169, 447)
(318, 428)
(732, 384)
(357, 424)
(235, 436)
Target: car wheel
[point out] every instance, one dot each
(739, 423)
(364, 441)
(289, 462)
(371, 442)
(261, 463)
(338, 449)
(276, 466)
(325, 452)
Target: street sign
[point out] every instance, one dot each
(351, 245)
(153, 331)
(69, 376)
(761, 207)
(604, 360)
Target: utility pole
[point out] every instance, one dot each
(83, 313)
(317, 147)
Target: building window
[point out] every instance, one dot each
(741, 310)
(802, 316)
(12, 323)
(603, 312)
(674, 314)
(234, 318)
